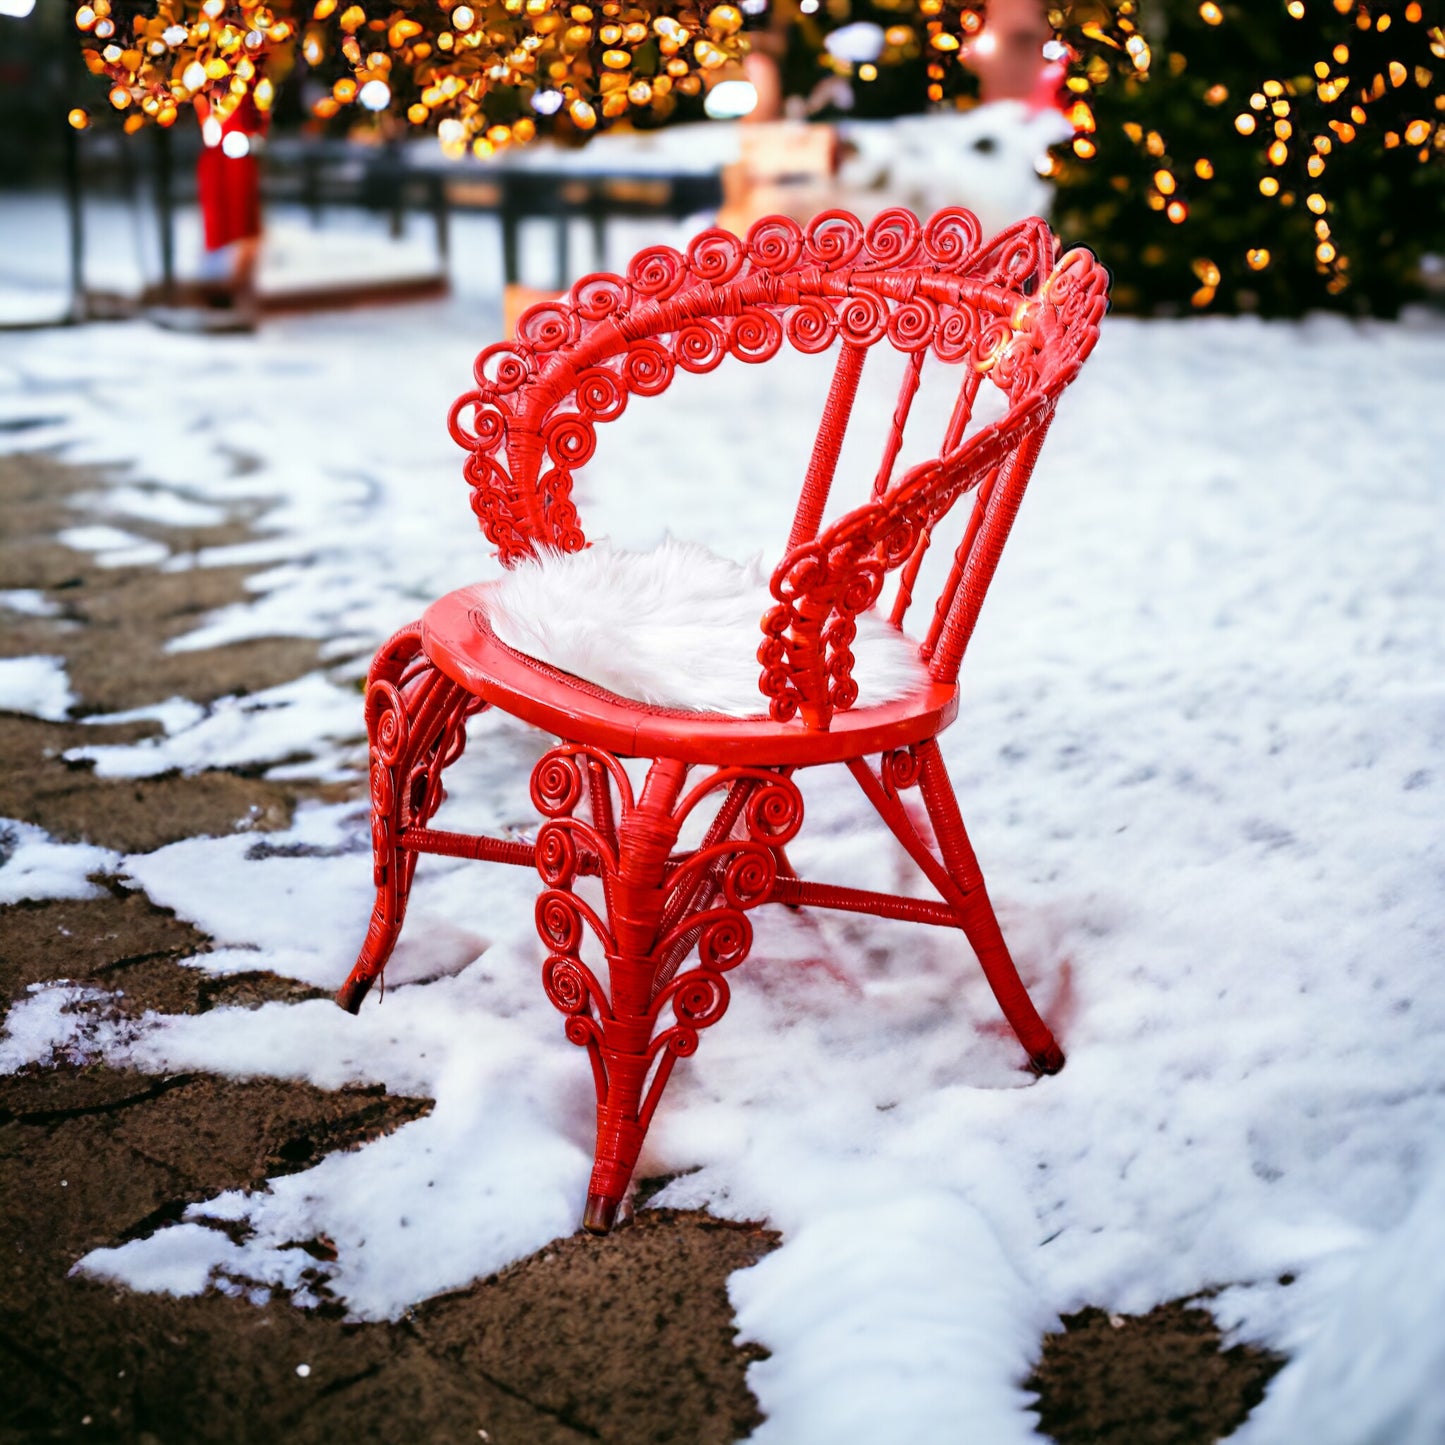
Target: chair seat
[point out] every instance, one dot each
(458, 637)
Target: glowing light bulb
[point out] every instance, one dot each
(730, 99)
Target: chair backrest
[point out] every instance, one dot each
(1004, 308)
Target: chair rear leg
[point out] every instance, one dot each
(415, 723)
(979, 922)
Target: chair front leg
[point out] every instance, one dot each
(658, 909)
(416, 727)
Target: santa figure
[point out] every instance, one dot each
(228, 184)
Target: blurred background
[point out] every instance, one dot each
(208, 161)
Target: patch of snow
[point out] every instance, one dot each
(34, 865)
(112, 546)
(1372, 1370)
(27, 602)
(60, 1020)
(175, 714)
(36, 685)
(883, 1322)
(310, 716)
(160, 505)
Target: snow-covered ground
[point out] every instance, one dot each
(1202, 754)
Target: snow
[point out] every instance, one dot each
(936, 1283)
(34, 865)
(114, 547)
(1371, 1373)
(37, 685)
(60, 1020)
(1200, 755)
(162, 506)
(289, 720)
(122, 252)
(27, 602)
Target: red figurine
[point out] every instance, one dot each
(228, 185)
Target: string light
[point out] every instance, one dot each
(460, 68)
(485, 76)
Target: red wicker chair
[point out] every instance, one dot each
(1002, 310)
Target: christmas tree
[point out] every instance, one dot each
(1271, 157)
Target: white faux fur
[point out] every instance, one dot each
(677, 626)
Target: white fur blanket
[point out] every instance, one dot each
(677, 627)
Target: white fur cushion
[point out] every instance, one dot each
(678, 626)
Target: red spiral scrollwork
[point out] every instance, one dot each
(657, 272)
(749, 877)
(700, 998)
(892, 237)
(700, 346)
(833, 239)
(774, 244)
(775, 813)
(601, 396)
(556, 855)
(647, 368)
(556, 783)
(900, 770)
(564, 985)
(811, 325)
(488, 428)
(755, 336)
(559, 920)
(547, 326)
(502, 368)
(951, 237)
(599, 295)
(571, 987)
(956, 334)
(913, 323)
(386, 722)
(570, 440)
(862, 318)
(715, 256)
(582, 1030)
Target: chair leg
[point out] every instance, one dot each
(658, 907)
(416, 725)
(977, 917)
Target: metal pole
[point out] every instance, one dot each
(75, 215)
(166, 214)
